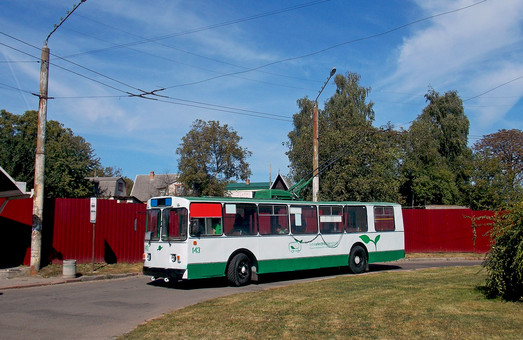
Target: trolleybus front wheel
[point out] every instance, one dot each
(239, 270)
(358, 260)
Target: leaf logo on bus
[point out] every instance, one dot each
(294, 247)
(367, 239)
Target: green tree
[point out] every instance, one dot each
(497, 179)
(504, 261)
(361, 161)
(69, 158)
(437, 163)
(209, 157)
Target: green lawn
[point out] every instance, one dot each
(442, 303)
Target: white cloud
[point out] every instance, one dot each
(470, 51)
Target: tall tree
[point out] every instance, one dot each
(210, 156)
(437, 163)
(497, 179)
(69, 158)
(360, 161)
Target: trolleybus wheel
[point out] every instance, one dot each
(239, 270)
(358, 260)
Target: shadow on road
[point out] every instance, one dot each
(269, 278)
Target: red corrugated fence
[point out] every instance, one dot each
(119, 231)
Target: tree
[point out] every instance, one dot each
(504, 261)
(437, 164)
(361, 161)
(209, 157)
(69, 158)
(497, 179)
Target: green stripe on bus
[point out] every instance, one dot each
(303, 263)
(205, 270)
(385, 256)
(208, 270)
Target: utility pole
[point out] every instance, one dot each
(38, 198)
(315, 137)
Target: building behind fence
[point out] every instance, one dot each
(119, 231)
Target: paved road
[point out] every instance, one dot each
(104, 309)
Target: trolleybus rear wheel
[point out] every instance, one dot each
(358, 260)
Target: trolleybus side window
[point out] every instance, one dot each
(304, 219)
(384, 219)
(152, 223)
(239, 219)
(356, 219)
(174, 224)
(331, 219)
(206, 219)
(273, 219)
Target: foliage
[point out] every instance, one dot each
(69, 158)
(504, 262)
(360, 161)
(437, 163)
(210, 156)
(498, 170)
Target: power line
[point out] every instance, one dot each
(204, 28)
(372, 36)
(494, 88)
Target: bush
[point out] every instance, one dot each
(504, 262)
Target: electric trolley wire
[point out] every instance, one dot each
(142, 93)
(372, 36)
(200, 29)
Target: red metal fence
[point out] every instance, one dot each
(446, 230)
(119, 230)
(68, 234)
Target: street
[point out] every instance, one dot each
(106, 309)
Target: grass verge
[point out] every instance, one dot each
(444, 303)
(86, 269)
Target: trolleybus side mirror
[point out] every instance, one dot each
(148, 235)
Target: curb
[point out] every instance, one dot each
(53, 281)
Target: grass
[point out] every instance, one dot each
(85, 269)
(468, 256)
(444, 303)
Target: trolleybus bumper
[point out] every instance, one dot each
(176, 274)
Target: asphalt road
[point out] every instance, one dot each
(106, 309)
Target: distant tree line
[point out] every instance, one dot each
(69, 159)
(428, 164)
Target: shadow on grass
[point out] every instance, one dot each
(268, 278)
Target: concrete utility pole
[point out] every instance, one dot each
(38, 198)
(315, 137)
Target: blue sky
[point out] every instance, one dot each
(246, 63)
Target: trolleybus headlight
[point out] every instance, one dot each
(148, 256)
(173, 257)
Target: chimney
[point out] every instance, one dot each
(248, 181)
(151, 175)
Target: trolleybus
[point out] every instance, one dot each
(194, 238)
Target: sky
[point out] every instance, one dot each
(246, 63)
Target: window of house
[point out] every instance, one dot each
(304, 219)
(384, 218)
(356, 219)
(273, 219)
(331, 219)
(239, 219)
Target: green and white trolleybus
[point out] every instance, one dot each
(194, 238)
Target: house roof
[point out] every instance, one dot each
(147, 186)
(8, 187)
(248, 186)
(279, 183)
